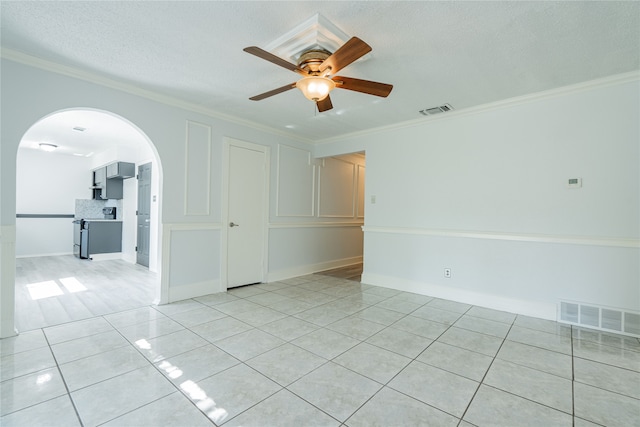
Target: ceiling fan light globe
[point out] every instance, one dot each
(315, 88)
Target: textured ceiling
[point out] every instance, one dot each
(461, 53)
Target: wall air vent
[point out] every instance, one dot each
(436, 110)
(596, 317)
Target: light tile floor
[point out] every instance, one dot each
(318, 351)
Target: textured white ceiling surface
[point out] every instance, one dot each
(462, 53)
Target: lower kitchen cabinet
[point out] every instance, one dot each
(100, 237)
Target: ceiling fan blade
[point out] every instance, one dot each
(273, 92)
(352, 50)
(364, 86)
(324, 104)
(261, 53)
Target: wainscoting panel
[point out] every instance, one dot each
(337, 189)
(296, 188)
(197, 191)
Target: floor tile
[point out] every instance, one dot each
(283, 409)
(30, 389)
(400, 342)
(424, 328)
(109, 399)
(474, 341)
(606, 338)
(335, 390)
(347, 305)
(246, 291)
(215, 299)
(93, 369)
(260, 316)
(178, 307)
(441, 389)
(380, 315)
(57, 412)
(267, 298)
(537, 358)
(443, 304)
(272, 286)
(286, 364)
(382, 292)
(356, 327)
(547, 389)
(483, 326)
(456, 360)
(490, 314)
(23, 342)
(196, 364)
(197, 316)
(131, 317)
(390, 408)
(290, 306)
(622, 358)
(88, 346)
(289, 328)
(160, 348)
(607, 377)
(235, 307)
(150, 329)
(408, 296)
(26, 362)
(321, 316)
(220, 329)
(543, 325)
(373, 362)
(252, 343)
(401, 306)
(553, 342)
(174, 410)
(74, 330)
(437, 315)
(229, 393)
(492, 407)
(604, 407)
(325, 343)
(316, 298)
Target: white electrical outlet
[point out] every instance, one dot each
(447, 273)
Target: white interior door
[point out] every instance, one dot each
(247, 209)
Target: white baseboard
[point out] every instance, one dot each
(540, 309)
(41, 255)
(274, 276)
(106, 257)
(193, 290)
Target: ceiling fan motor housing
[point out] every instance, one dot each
(310, 60)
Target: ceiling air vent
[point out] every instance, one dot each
(436, 110)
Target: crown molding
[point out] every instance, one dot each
(603, 82)
(32, 61)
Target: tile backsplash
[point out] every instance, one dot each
(87, 208)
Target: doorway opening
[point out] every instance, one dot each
(54, 189)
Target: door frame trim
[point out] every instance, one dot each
(266, 150)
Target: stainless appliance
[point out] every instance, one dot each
(109, 212)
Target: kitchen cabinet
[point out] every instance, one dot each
(100, 237)
(121, 170)
(107, 180)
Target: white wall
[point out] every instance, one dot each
(485, 194)
(47, 183)
(29, 93)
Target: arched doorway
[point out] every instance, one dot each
(51, 186)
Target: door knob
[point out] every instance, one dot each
(233, 224)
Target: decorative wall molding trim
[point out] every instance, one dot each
(64, 70)
(276, 225)
(192, 226)
(274, 276)
(538, 238)
(540, 309)
(354, 193)
(312, 163)
(7, 280)
(511, 102)
(197, 151)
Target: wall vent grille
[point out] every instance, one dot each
(604, 318)
(436, 110)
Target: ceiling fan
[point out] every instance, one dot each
(318, 68)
